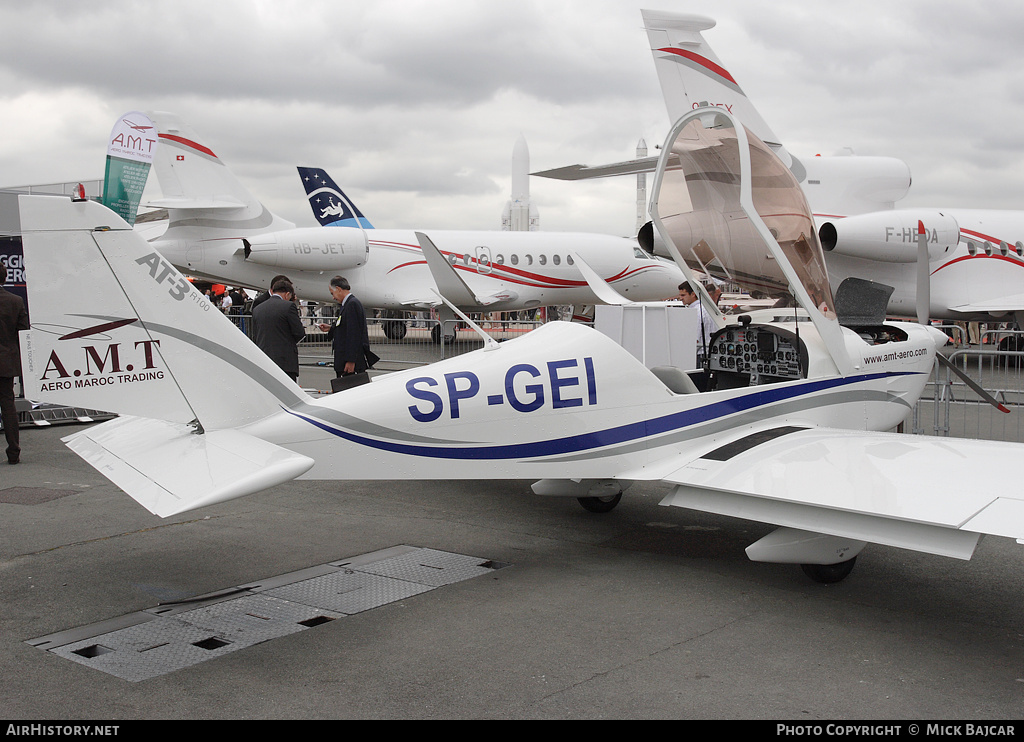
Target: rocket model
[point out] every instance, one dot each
(641, 188)
(520, 215)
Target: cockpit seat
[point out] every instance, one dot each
(677, 380)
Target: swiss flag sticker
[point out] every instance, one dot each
(179, 158)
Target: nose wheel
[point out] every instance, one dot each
(600, 504)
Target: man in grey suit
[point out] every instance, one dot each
(12, 319)
(279, 328)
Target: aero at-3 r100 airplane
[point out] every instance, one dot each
(974, 259)
(219, 231)
(786, 435)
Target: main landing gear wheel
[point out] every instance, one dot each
(600, 504)
(395, 330)
(435, 335)
(829, 573)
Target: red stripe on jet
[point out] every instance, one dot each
(981, 235)
(189, 143)
(702, 61)
(1009, 260)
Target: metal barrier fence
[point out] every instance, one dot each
(950, 408)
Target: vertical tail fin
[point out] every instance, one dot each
(330, 205)
(691, 74)
(200, 193)
(115, 327)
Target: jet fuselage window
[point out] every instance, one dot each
(543, 259)
(556, 260)
(515, 260)
(499, 259)
(569, 260)
(529, 260)
(452, 259)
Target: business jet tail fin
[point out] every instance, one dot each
(330, 205)
(199, 191)
(692, 75)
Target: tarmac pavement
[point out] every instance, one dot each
(644, 612)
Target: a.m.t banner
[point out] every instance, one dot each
(130, 153)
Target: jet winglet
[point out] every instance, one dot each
(600, 287)
(449, 283)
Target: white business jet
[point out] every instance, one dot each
(786, 436)
(219, 231)
(974, 257)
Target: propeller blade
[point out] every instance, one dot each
(975, 387)
(924, 283)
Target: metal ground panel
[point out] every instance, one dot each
(429, 567)
(151, 643)
(350, 592)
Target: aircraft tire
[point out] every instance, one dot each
(829, 573)
(600, 504)
(435, 336)
(395, 330)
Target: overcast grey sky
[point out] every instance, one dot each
(414, 106)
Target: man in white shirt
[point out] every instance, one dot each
(707, 325)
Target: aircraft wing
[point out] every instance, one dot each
(1014, 303)
(915, 492)
(168, 469)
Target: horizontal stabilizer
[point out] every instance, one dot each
(585, 172)
(912, 492)
(195, 203)
(169, 469)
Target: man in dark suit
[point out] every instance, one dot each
(12, 319)
(279, 328)
(348, 334)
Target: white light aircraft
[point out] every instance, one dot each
(219, 231)
(788, 435)
(974, 256)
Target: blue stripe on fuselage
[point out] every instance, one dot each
(609, 436)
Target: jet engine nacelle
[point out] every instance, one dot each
(310, 249)
(890, 236)
(651, 241)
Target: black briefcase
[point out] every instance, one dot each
(341, 383)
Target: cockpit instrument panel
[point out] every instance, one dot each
(753, 355)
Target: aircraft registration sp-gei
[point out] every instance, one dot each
(789, 434)
(219, 231)
(975, 258)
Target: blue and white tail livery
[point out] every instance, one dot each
(788, 433)
(330, 205)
